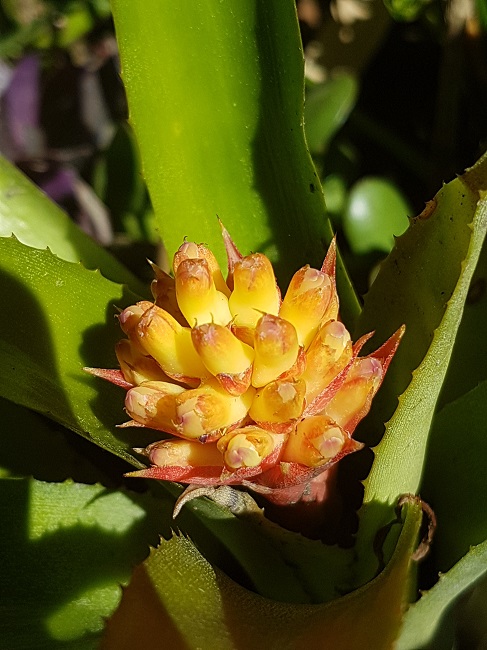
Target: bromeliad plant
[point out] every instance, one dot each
(248, 389)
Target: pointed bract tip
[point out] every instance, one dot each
(113, 376)
(233, 254)
(388, 349)
(329, 263)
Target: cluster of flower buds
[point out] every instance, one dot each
(253, 389)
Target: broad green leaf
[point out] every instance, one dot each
(416, 287)
(66, 548)
(216, 101)
(423, 618)
(36, 221)
(376, 212)
(326, 108)
(178, 596)
(62, 318)
(454, 478)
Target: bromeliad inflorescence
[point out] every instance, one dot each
(252, 389)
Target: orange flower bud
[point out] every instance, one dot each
(190, 250)
(198, 298)
(278, 405)
(352, 401)
(254, 291)
(315, 441)
(326, 357)
(136, 367)
(247, 447)
(306, 302)
(225, 356)
(170, 344)
(206, 412)
(276, 349)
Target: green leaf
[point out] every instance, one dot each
(376, 211)
(66, 548)
(326, 108)
(274, 562)
(416, 287)
(33, 445)
(216, 101)
(455, 476)
(178, 596)
(467, 366)
(423, 618)
(35, 220)
(62, 318)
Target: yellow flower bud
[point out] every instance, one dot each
(190, 250)
(328, 354)
(306, 302)
(352, 401)
(315, 441)
(135, 366)
(247, 447)
(206, 412)
(153, 404)
(198, 298)
(225, 356)
(276, 349)
(278, 405)
(129, 318)
(254, 291)
(170, 344)
(183, 453)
